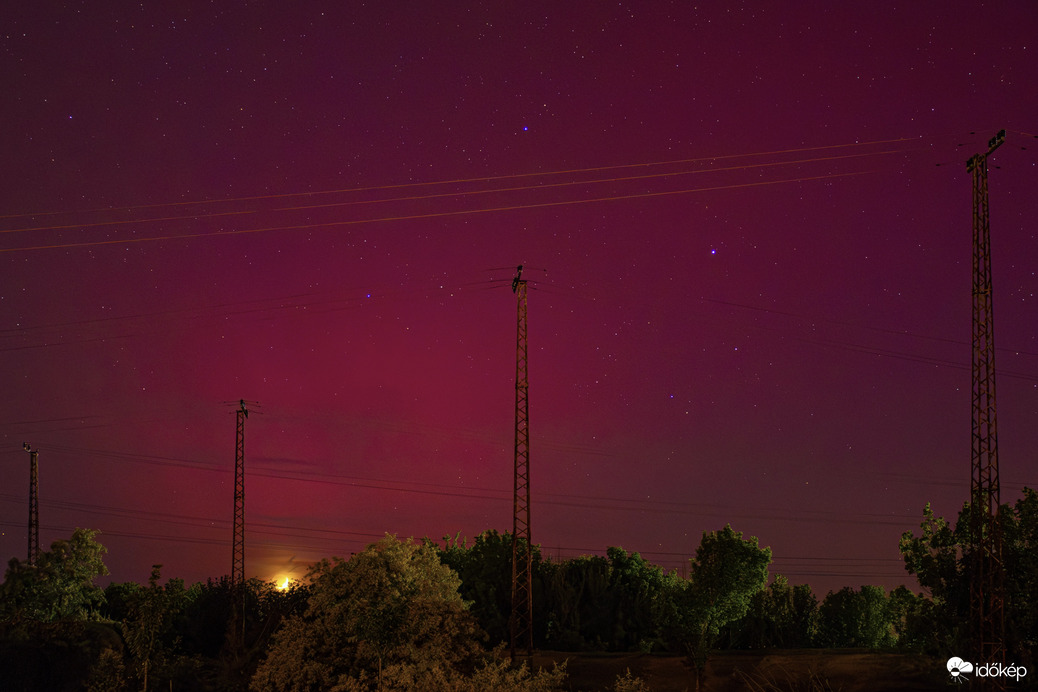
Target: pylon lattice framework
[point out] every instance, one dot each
(34, 506)
(521, 621)
(987, 613)
(238, 543)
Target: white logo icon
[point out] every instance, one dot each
(957, 667)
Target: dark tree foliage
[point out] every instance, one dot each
(203, 622)
(726, 573)
(936, 558)
(849, 618)
(578, 602)
(50, 612)
(148, 628)
(616, 603)
(59, 586)
(1020, 552)
(910, 618)
(941, 560)
(783, 616)
(118, 596)
(642, 601)
(389, 616)
(57, 656)
(353, 625)
(191, 624)
(485, 570)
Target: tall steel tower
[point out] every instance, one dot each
(521, 621)
(34, 504)
(987, 614)
(238, 547)
(236, 628)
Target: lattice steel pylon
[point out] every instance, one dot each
(521, 620)
(238, 543)
(34, 505)
(987, 586)
(237, 625)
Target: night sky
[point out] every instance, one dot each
(746, 228)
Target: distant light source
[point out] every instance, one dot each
(285, 583)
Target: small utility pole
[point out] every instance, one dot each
(34, 504)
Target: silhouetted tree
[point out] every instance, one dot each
(578, 603)
(780, 616)
(390, 615)
(118, 596)
(60, 586)
(1020, 555)
(849, 618)
(941, 560)
(937, 559)
(911, 616)
(485, 571)
(148, 626)
(642, 599)
(51, 636)
(725, 574)
(618, 602)
(108, 673)
(202, 626)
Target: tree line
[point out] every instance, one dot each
(406, 614)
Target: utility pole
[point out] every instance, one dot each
(238, 547)
(34, 504)
(521, 621)
(987, 587)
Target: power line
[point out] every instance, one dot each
(451, 194)
(431, 215)
(603, 503)
(456, 181)
(833, 566)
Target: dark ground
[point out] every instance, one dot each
(821, 670)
